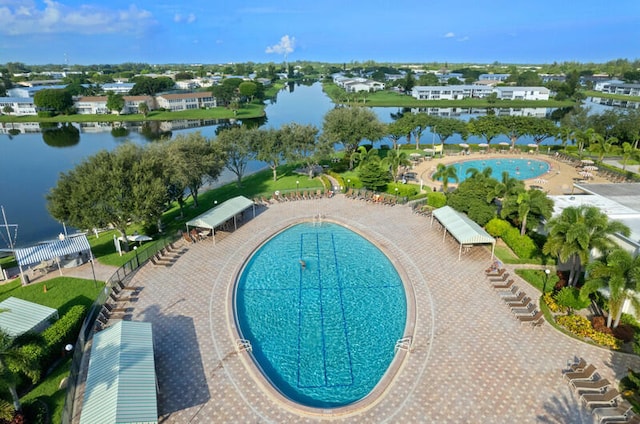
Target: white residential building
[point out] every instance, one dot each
(618, 88)
(186, 101)
(118, 87)
(493, 77)
(450, 92)
(97, 105)
(522, 93)
(20, 105)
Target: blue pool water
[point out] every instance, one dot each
(324, 335)
(522, 169)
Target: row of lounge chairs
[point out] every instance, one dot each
(290, 196)
(170, 254)
(597, 395)
(372, 197)
(118, 305)
(421, 208)
(522, 306)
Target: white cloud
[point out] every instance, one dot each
(55, 17)
(285, 46)
(190, 18)
(465, 38)
(449, 35)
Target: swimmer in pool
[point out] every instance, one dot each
(303, 264)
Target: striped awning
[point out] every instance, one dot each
(71, 246)
(121, 380)
(20, 316)
(461, 227)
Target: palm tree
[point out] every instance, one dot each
(619, 272)
(506, 186)
(394, 160)
(576, 232)
(566, 134)
(602, 146)
(525, 207)
(363, 156)
(12, 362)
(445, 173)
(628, 152)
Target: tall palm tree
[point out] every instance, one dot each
(576, 232)
(566, 134)
(619, 272)
(526, 207)
(629, 152)
(602, 145)
(506, 186)
(445, 173)
(394, 160)
(12, 362)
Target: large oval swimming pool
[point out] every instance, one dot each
(322, 308)
(519, 168)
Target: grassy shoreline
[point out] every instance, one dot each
(591, 93)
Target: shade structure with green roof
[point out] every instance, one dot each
(462, 228)
(222, 213)
(121, 380)
(21, 316)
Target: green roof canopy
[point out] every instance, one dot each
(462, 228)
(121, 381)
(22, 316)
(221, 214)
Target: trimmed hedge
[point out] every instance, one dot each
(523, 246)
(60, 333)
(436, 199)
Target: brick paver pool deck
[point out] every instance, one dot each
(470, 362)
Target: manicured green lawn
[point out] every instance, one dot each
(48, 391)
(62, 292)
(590, 93)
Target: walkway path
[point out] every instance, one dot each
(471, 361)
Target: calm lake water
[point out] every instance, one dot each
(31, 162)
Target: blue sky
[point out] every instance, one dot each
(224, 31)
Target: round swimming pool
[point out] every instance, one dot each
(520, 168)
(323, 309)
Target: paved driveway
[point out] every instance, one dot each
(471, 361)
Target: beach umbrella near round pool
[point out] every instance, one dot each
(483, 145)
(590, 168)
(532, 145)
(503, 143)
(586, 174)
(587, 161)
(463, 145)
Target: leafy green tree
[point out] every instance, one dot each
(182, 76)
(447, 127)
(619, 272)
(541, 129)
(519, 207)
(420, 123)
(515, 127)
(53, 100)
(349, 126)
(371, 172)
(303, 145)
(445, 173)
(248, 89)
(237, 143)
(7, 110)
(115, 102)
(109, 188)
(428, 79)
(471, 198)
(150, 86)
(143, 108)
(487, 127)
(576, 232)
(196, 161)
(13, 362)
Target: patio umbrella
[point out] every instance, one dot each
(464, 145)
(532, 145)
(541, 181)
(503, 143)
(483, 145)
(586, 174)
(587, 161)
(590, 168)
(139, 238)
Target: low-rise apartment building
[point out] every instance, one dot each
(450, 92)
(522, 93)
(186, 101)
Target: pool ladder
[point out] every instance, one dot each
(243, 345)
(404, 344)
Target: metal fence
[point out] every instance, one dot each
(122, 274)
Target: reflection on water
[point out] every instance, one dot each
(627, 104)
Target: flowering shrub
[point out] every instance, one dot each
(552, 304)
(580, 326)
